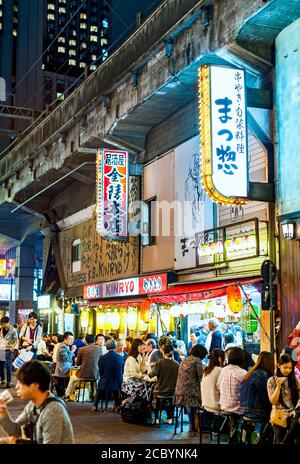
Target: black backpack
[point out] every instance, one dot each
(136, 410)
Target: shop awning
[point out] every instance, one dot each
(119, 302)
(201, 291)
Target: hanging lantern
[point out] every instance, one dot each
(84, 319)
(234, 299)
(142, 326)
(132, 319)
(100, 321)
(115, 320)
(145, 311)
(107, 325)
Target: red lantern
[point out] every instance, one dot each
(145, 311)
(234, 299)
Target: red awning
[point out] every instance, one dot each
(119, 302)
(201, 291)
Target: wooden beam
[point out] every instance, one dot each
(259, 98)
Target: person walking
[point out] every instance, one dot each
(31, 334)
(8, 342)
(46, 416)
(216, 337)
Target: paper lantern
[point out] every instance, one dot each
(107, 325)
(142, 326)
(234, 299)
(84, 319)
(145, 311)
(115, 320)
(132, 319)
(100, 321)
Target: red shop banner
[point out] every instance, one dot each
(143, 285)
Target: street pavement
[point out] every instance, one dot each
(100, 428)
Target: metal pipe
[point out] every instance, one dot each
(51, 185)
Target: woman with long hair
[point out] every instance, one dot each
(284, 395)
(187, 392)
(134, 369)
(254, 393)
(209, 393)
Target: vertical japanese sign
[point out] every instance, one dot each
(223, 131)
(2, 267)
(112, 193)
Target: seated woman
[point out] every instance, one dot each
(187, 392)
(166, 371)
(134, 370)
(209, 392)
(229, 384)
(284, 395)
(254, 393)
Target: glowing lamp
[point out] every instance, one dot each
(108, 324)
(145, 311)
(84, 319)
(234, 299)
(100, 321)
(142, 326)
(288, 230)
(132, 320)
(115, 320)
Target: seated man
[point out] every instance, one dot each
(46, 415)
(87, 358)
(63, 358)
(42, 352)
(111, 366)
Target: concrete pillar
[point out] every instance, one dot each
(24, 280)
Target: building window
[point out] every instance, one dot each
(74, 33)
(93, 38)
(62, 10)
(103, 41)
(105, 23)
(94, 28)
(72, 62)
(61, 50)
(51, 6)
(51, 17)
(83, 26)
(148, 216)
(93, 67)
(83, 45)
(72, 42)
(60, 96)
(72, 52)
(14, 32)
(76, 256)
(94, 57)
(61, 39)
(82, 64)
(83, 16)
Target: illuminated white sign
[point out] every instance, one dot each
(7, 291)
(229, 135)
(43, 302)
(223, 134)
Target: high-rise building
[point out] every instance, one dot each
(46, 46)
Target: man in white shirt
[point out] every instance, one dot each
(42, 352)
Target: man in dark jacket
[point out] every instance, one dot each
(111, 367)
(216, 338)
